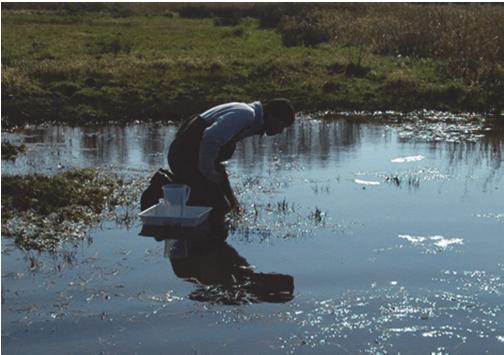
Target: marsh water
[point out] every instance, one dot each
(358, 235)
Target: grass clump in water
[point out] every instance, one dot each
(41, 211)
(11, 151)
(317, 216)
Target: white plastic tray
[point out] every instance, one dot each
(166, 215)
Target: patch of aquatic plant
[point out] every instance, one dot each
(399, 117)
(164, 298)
(412, 182)
(124, 206)
(283, 206)
(263, 217)
(442, 132)
(431, 125)
(47, 194)
(317, 216)
(277, 220)
(32, 231)
(11, 151)
(56, 258)
(413, 177)
(234, 294)
(42, 211)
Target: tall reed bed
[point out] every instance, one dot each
(467, 39)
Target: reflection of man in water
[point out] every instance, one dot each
(225, 277)
(204, 141)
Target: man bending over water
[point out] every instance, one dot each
(206, 140)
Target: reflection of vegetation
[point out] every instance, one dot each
(110, 61)
(40, 211)
(11, 151)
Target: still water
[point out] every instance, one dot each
(357, 236)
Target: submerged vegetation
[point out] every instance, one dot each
(82, 63)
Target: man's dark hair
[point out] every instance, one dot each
(281, 108)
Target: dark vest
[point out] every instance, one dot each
(184, 150)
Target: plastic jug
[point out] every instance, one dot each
(176, 195)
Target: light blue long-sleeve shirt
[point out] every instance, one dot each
(234, 120)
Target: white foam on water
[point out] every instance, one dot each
(403, 330)
(498, 216)
(408, 159)
(431, 243)
(413, 239)
(366, 182)
(500, 338)
(444, 243)
(430, 334)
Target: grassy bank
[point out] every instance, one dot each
(82, 65)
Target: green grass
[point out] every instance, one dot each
(96, 68)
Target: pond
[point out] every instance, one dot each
(359, 234)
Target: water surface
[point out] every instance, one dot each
(357, 236)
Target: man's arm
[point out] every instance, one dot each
(223, 130)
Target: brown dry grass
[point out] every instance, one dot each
(468, 38)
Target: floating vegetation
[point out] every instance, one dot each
(274, 219)
(236, 294)
(435, 126)
(394, 179)
(33, 231)
(166, 297)
(410, 178)
(430, 125)
(11, 151)
(280, 219)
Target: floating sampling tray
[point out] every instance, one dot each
(174, 216)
